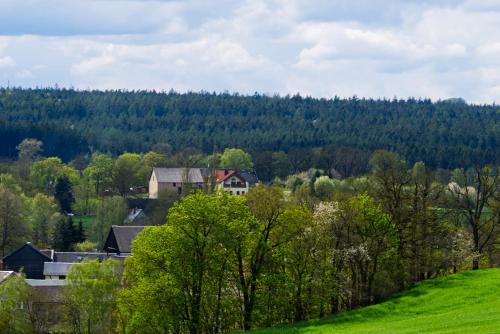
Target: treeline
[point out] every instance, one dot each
(307, 246)
(313, 248)
(442, 134)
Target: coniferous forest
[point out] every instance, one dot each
(444, 134)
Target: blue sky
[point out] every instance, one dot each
(376, 48)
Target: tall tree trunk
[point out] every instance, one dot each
(475, 257)
(299, 309)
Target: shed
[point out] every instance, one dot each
(27, 259)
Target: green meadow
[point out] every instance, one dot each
(468, 302)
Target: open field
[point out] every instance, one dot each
(463, 303)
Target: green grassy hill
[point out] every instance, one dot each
(464, 303)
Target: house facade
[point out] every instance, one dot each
(175, 179)
(233, 181)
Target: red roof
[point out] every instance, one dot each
(224, 174)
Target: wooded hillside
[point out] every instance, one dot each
(443, 134)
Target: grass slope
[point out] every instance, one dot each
(463, 303)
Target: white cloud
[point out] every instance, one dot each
(380, 48)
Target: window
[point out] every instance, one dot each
(179, 190)
(174, 184)
(237, 193)
(243, 192)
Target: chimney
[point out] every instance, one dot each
(226, 171)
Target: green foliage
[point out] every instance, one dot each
(86, 199)
(44, 174)
(86, 246)
(174, 277)
(324, 187)
(14, 298)
(280, 164)
(63, 193)
(235, 158)
(43, 217)
(65, 235)
(9, 182)
(127, 172)
(462, 303)
(89, 296)
(29, 150)
(110, 211)
(441, 134)
(99, 171)
(14, 228)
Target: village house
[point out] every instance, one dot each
(233, 181)
(46, 263)
(52, 265)
(174, 179)
(29, 260)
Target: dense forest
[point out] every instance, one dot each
(445, 134)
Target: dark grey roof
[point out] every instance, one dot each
(29, 245)
(249, 175)
(73, 257)
(179, 175)
(123, 236)
(48, 252)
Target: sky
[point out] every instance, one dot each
(320, 48)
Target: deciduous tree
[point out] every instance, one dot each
(89, 296)
(235, 158)
(14, 229)
(110, 211)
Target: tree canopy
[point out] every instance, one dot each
(71, 122)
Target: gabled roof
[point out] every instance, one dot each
(224, 177)
(120, 238)
(224, 174)
(249, 175)
(178, 175)
(31, 247)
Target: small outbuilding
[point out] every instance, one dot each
(27, 259)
